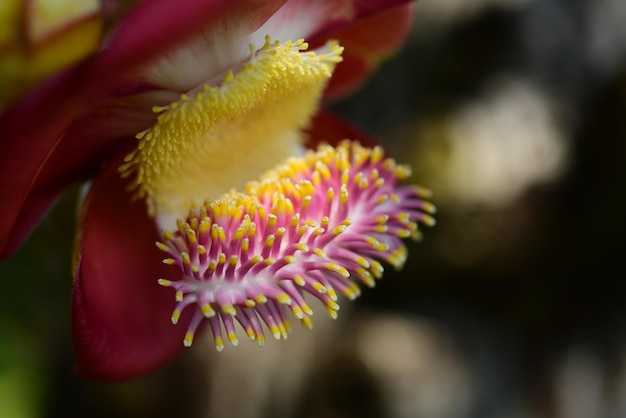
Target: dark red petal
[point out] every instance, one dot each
(329, 128)
(29, 135)
(359, 9)
(366, 43)
(351, 73)
(120, 315)
(36, 174)
(321, 18)
(38, 159)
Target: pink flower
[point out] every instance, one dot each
(313, 225)
(186, 102)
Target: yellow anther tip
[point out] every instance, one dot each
(423, 192)
(207, 311)
(403, 233)
(297, 311)
(362, 261)
(219, 344)
(275, 331)
(320, 253)
(332, 305)
(188, 339)
(429, 220)
(320, 288)
(369, 281)
(332, 313)
(299, 280)
(307, 322)
(283, 299)
(250, 333)
(429, 207)
(307, 309)
(229, 310)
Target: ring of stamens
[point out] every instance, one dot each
(314, 225)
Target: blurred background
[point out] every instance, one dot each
(513, 306)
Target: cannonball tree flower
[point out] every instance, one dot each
(193, 121)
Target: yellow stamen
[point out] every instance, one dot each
(307, 322)
(219, 344)
(203, 145)
(207, 311)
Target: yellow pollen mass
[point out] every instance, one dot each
(216, 138)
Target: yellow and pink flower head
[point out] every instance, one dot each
(199, 124)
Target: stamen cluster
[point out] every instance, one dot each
(319, 224)
(264, 104)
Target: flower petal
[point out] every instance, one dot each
(120, 314)
(331, 129)
(32, 133)
(367, 42)
(37, 171)
(158, 26)
(308, 19)
(29, 135)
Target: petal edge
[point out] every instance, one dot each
(120, 315)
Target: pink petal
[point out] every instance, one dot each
(38, 159)
(158, 25)
(120, 315)
(308, 19)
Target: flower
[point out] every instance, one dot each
(315, 224)
(186, 102)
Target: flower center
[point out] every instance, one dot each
(218, 137)
(318, 224)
